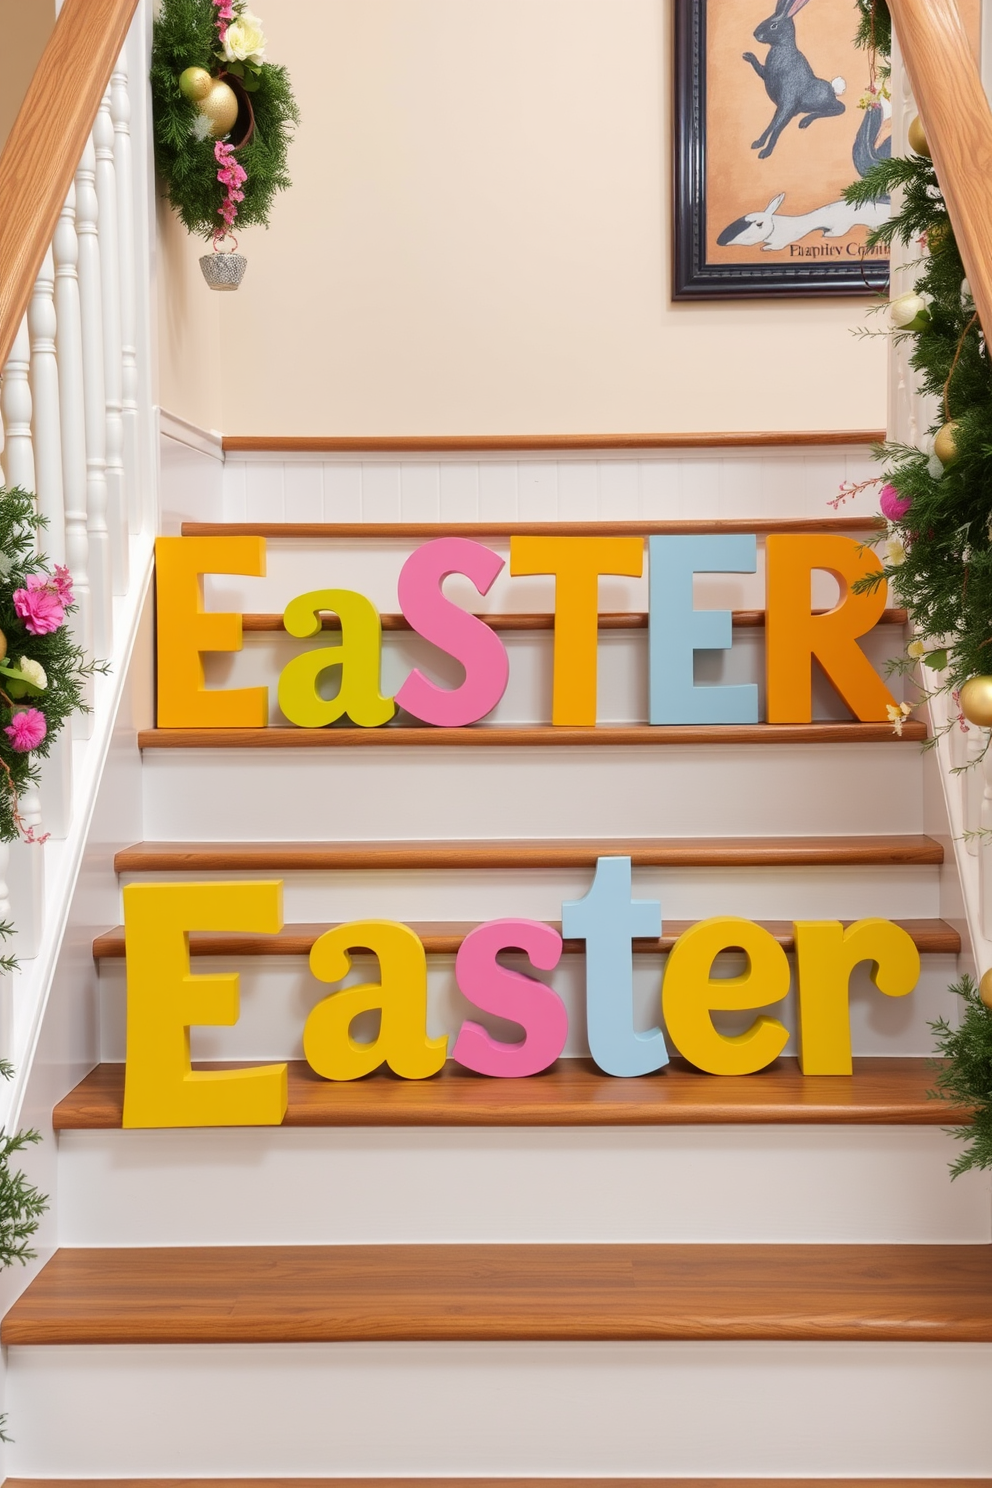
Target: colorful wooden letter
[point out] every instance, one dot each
(826, 954)
(576, 563)
(678, 631)
(359, 656)
(608, 919)
(164, 999)
(463, 636)
(186, 631)
(690, 994)
(401, 996)
(496, 989)
(794, 635)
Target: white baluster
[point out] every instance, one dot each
(27, 876)
(73, 423)
(94, 400)
(120, 108)
(973, 781)
(5, 911)
(15, 405)
(45, 421)
(106, 191)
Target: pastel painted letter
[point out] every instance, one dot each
(678, 631)
(465, 637)
(496, 989)
(186, 630)
(826, 955)
(691, 993)
(359, 656)
(608, 919)
(164, 999)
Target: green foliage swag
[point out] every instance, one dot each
(185, 35)
(965, 1079)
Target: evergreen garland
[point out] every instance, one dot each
(185, 35)
(965, 1080)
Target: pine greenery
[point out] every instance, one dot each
(185, 35)
(965, 1080)
(875, 29)
(21, 1205)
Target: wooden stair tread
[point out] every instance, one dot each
(579, 852)
(443, 938)
(881, 1092)
(545, 620)
(350, 1293)
(435, 1482)
(425, 531)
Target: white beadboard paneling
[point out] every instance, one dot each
(732, 1410)
(661, 490)
(498, 501)
(702, 489)
(343, 493)
(747, 1185)
(381, 493)
(619, 491)
(420, 492)
(537, 491)
(578, 491)
(235, 491)
(459, 492)
(303, 489)
(264, 493)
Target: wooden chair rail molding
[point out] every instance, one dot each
(303, 444)
(426, 1293)
(633, 620)
(443, 938)
(644, 852)
(948, 90)
(881, 1092)
(424, 531)
(47, 140)
(483, 737)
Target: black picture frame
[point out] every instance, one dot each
(693, 278)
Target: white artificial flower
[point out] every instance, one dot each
(935, 468)
(201, 126)
(895, 552)
(916, 650)
(898, 713)
(34, 671)
(245, 40)
(909, 312)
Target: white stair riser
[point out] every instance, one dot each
(276, 996)
(424, 791)
(622, 671)
(816, 893)
(575, 1409)
(730, 1184)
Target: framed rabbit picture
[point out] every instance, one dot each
(776, 112)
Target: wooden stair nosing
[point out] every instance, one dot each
(675, 852)
(540, 736)
(544, 620)
(498, 1293)
(425, 531)
(574, 1093)
(443, 938)
(435, 1482)
(465, 443)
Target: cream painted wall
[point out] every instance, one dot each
(477, 242)
(25, 26)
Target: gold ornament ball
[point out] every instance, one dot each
(976, 701)
(3, 646)
(917, 138)
(195, 83)
(985, 989)
(221, 108)
(945, 446)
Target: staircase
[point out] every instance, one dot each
(569, 1276)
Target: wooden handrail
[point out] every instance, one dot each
(45, 145)
(948, 90)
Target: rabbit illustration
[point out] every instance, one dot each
(789, 81)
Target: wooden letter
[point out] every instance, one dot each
(608, 919)
(164, 999)
(359, 656)
(401, 996)
(678, 631)
(690, 994)
(826, 954)
(576, 563)
(465, 637)
(794, 635)
(496, 989)
(186, 630)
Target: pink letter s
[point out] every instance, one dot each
(523, 1000)
(463, 636)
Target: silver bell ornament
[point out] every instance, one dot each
(223, 271)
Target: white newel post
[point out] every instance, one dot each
(94, 400)
(120, 109)
(106, 191)
(15, 409)
(73, 426)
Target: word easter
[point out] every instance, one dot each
(794, 634)
(164, 999)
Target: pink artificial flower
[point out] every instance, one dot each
(232, 177)
(894, 507)
(26, 730)
(62, 579)
(225, 13)
(39, 605)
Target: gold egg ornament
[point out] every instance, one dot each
(195, 83)
(945, 445)
(976, 701)
(3, 646)
(985, 989)
(220, 106)
(918, 139)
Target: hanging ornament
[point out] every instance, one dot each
(976, 701)
(945, 445)
(220, 105)
(985, 989)
(918, 139)
(195, 83)
(894, 507)
(909, 312)
(3, 646)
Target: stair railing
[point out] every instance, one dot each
(78, 424)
